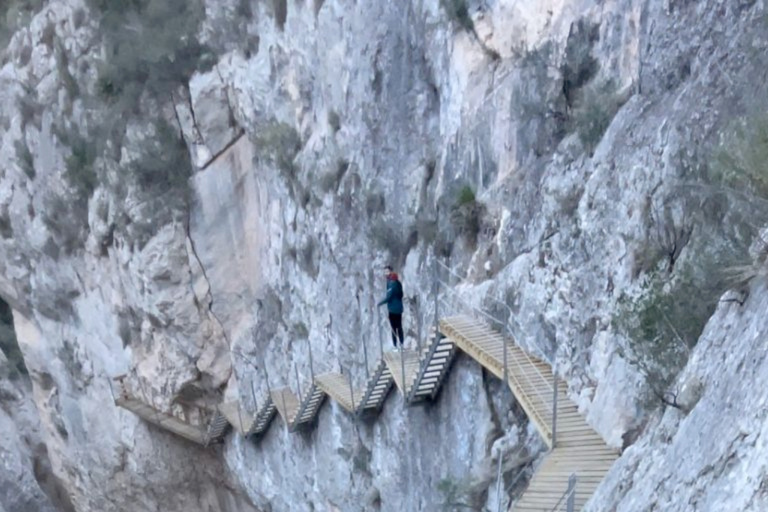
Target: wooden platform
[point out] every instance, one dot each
(241, 421)
(287, 404)
(403, 367)
(196, 434)
(337, 387)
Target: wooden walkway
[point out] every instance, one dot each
(203, 434)
(575, 448)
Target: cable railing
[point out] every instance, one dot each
(538, 381)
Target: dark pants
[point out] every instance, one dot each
(396, 321)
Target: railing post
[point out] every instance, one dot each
(571, 502)
(351, 390)
(554, 406)
(255, 402)
(240, 418)
(436, 286)
(365, 357)
(298, 382)
(311, 364)
(505, 341)
(147, 400)
(287, 419)
(498, 485)
(402, 372)
(111, 391)
(378, 325)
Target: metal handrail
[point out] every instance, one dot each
(506, 327)
(503, 304)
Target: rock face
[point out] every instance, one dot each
(708, 458)
(557, 155)
(26, 481)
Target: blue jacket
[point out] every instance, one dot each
(394, 298)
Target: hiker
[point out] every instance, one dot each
(394, 302)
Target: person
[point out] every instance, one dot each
(394, 302)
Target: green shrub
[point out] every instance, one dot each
(281, 12)
(466, 196)
(30, 109)
(300, 330)
(466, 214)
(8, 342)
(67, 221)
(666, 320)
(579, 67)
(15, 14)
(65, 76)
(334, 120)
(739, 161)
(80, 172)
(596, 107)
(151, 47)
(280, 143)
(6, 229)
(26, 160)
(458, 12)
(331, 180)
(164, 165)
(244, 10)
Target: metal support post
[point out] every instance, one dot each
(255, 402)
(365, 357)
(498, 485)
(351, 391)
(402, 372)
(311, 363)
(111, 391)
(240, 419)
(554, 408)
(287, 420)
(436, 286)
(381, 338)
(504, 337)
(298, 383)
(571, 502)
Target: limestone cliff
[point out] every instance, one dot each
(199, 223)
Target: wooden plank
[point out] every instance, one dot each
(287, 404)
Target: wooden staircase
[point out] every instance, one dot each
(297, 412)
(578, 449)
(434, 364)
(529, 378)
(246, 424)
(575, 448)
(419, 375)
(376, 389)
(370, 399)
